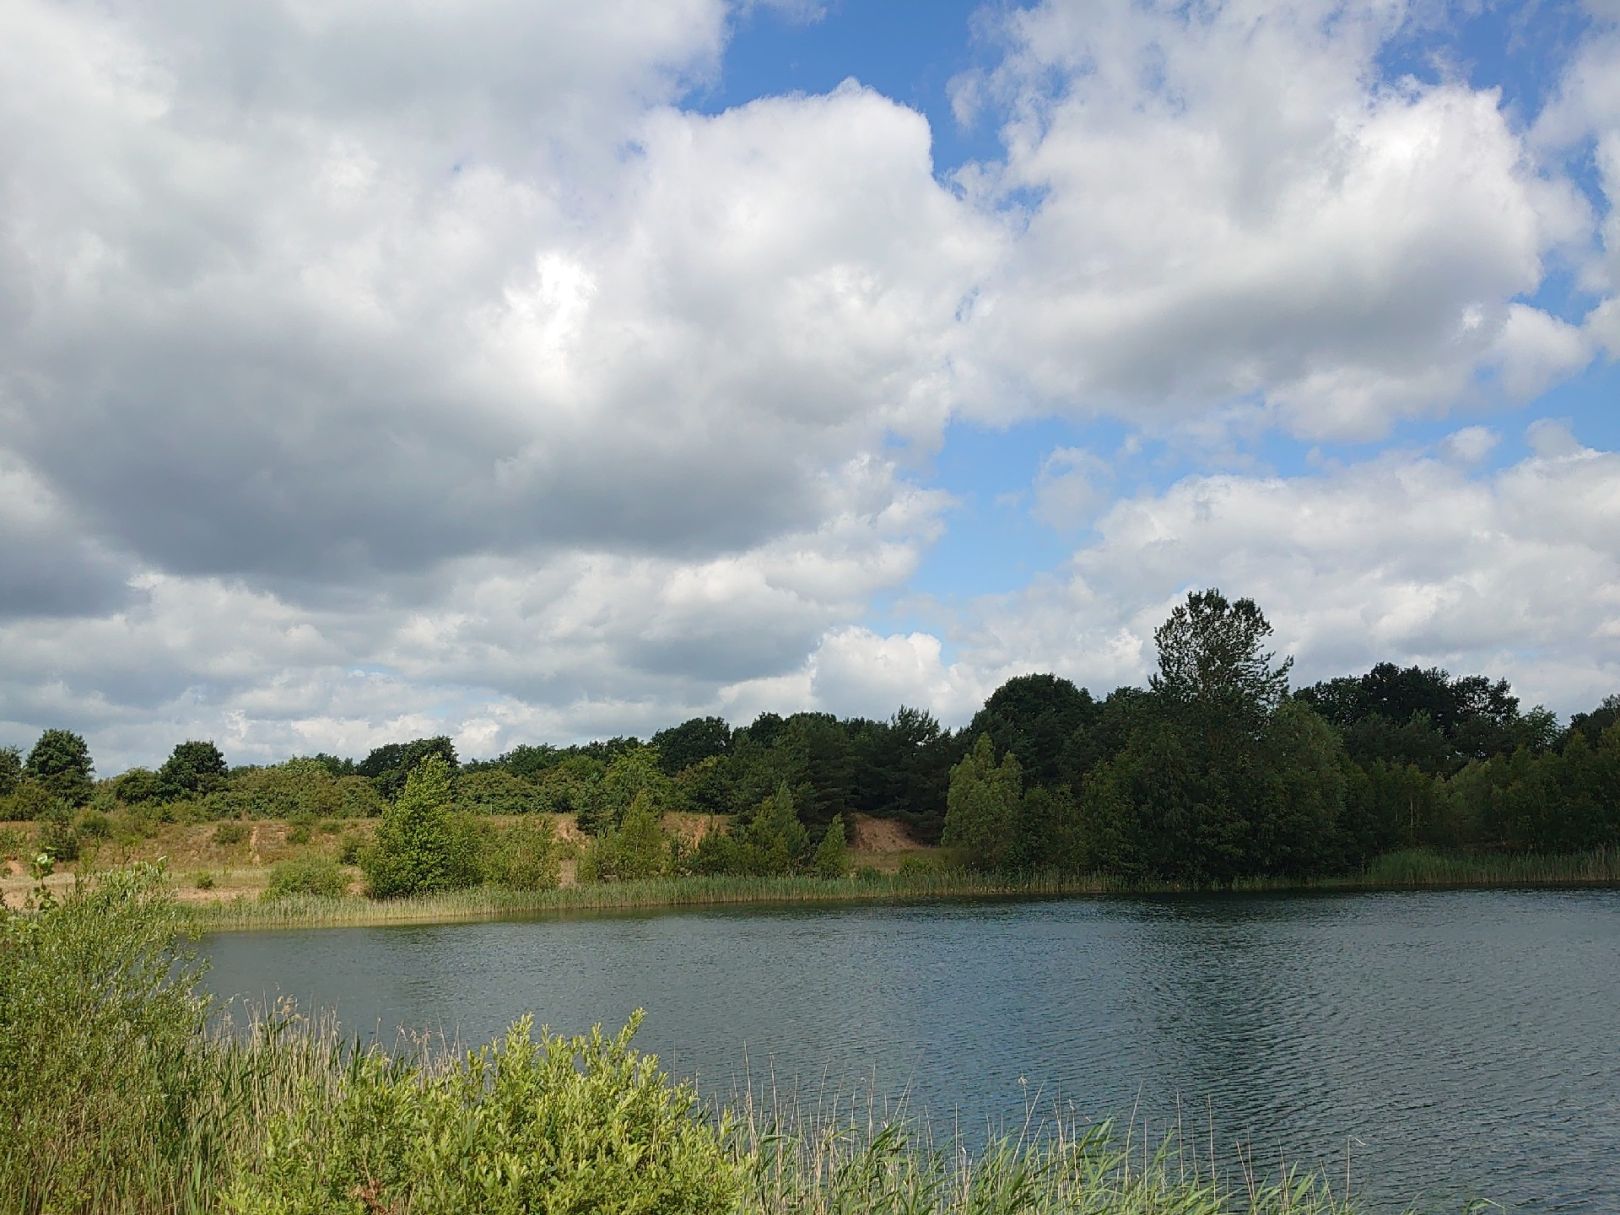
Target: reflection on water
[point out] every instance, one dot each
(1454, 1043)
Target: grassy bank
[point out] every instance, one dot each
(1412, 870)
(116, 1097)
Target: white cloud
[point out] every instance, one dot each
(1471, 444)
(373, 370)
(1069, 488)
(1229, 205)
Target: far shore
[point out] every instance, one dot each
(1399, 872)
(220, 883)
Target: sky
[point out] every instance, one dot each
(528, 371)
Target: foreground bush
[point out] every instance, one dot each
(100, 1042)
(559, 1124)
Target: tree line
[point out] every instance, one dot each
(1215, 770)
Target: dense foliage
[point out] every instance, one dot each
(423, 844)
(1213, 771)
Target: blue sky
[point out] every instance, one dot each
(778, 355)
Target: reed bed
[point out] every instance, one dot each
(1411, 869)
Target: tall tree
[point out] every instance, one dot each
(698, 738)
(11, 770)
(389, 765)
(1037, 718)
(194, 767)
(60, 761)
(1210, 656)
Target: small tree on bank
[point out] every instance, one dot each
(422, 844)
(831, 859)
(637, 849)
(981, 806)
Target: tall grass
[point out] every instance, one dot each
(1412, 869)
(1420, 867)
(491, 902)
(133, 1106)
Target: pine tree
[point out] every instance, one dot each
(422, 845)
(831, 859)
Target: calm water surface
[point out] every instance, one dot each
(1456, 1044)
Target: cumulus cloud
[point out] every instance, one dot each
(407, 349)
(369, 370)
(1582, 126)
(1230, 205)
(1069, 488)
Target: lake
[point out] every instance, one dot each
(1456, 1044)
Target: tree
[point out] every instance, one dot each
(61, 762)
(1297, 815)
(815, 752)
(831, 859)
(497, 791)
(773, 841)
(901, 769)
(700, 738)
(981, 806)
(636, 849)
(388, 766)
(632, 772)
(422, 845)
(137, 785)
(193, 768)
(1140, 811)
(1593, 724)
(1036, 717)
(11, 770)
(1210, 657)
(529, 761)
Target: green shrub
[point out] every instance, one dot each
(358, 798)
(496, 791)
(422, 844)
(136, 786)
(581, 1124)
(56, 834)
(144, 821)
(229, 833)
(831, 859)
(203, 880)
(524, 857)
(330, 826)
(919, 864)
(95, 825)
(100, 1032)
(298, 835)
(29, 800)
(13, 843)
(314, 875)
(349, 849)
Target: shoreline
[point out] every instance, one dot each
(1586, 872)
